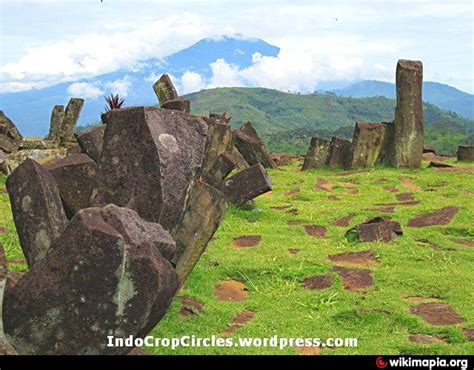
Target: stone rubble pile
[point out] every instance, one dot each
(111, 233)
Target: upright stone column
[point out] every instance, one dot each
(71, 115)
(164, 89)
(408, 135)
(56, 125)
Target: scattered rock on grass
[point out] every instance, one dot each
(403, 197)
(468, 243)
(437, 313)
(318, 282)
(315, 230)
(391, 188)
(425, 339)
(440, 217)
(240, 319)
(293, 250)
(376, 229)
(343, 221)
(407, 183)
(469, 334)
(190, 306)
(418, 299)
(325, 185)
(247, 241)
(354, 258)
(354, 279)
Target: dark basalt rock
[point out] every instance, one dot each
(367, 144)
(221, 169)
(407, 147)
(318, 154)
(442, 216)
(251, 147)
(56, 124)
(246, 185)
(164, 89)
(207, 207)
(219, 141)
(150, 160)
(377, 229)
(91, 142)
(10, 137)
(5, 346)
(67, 305)
(74, 176)
(340, 153)
(179, 104)
(37, 209)
(466, 153)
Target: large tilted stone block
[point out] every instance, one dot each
(219, 141)
(56, 124)
(207, 207)
(251, 146)
(13, 160)
(317, 155)
(408, 135)
(340, 153)
(246, 185)
(5, 346)
(91, 142)
(179, 104)
(10, 137)
(71, 115)
(164, 89)
(466, 153)
(37, 209)
(104, 277)
(74, 176)
(149, 161)
(367, 144)
(224, 165)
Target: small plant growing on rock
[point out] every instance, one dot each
(113, 102)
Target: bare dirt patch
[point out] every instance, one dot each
(315, 230)
(403, 197)
(419, 299)
(309, 351)
(348, 173)
(354, 258)
(318, 282)
(352, 191)
(295, 223)
(407, 183)
(334, 198)
(395, 204)
(391, 188)
(468, 243)
(469, 334)
(292, 192)
(382, 209)
(239, 320)
(325, 185)
(247, 241)
(343, 221)
(354, 279)
(231, 291)
(440, 217)
(437, 313)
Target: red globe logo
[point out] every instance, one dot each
(381, 364)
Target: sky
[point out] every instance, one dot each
(46, 42)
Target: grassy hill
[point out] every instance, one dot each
(287, 121)
(424, 265)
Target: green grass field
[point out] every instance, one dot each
(379, 316)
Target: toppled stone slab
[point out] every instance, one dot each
(91, 142)
(71, 116)
(13, 160)
(367, 144)
(340, 153)
(10, 137)
(466, 153)
(407, 146)
(246, 185)
(377, 229)
(206, 209)
(5, 346)
(436, 164)
(149, 162)
(317, 155)
(354, 279)
(251, 146)
(164, 89)
(56, 124)
(437, 313)
(74, 176)
(179, 104)
(37, 209)
(318, 282)
(222, 167)
(440, 217)
(231, 290)
(66, 305)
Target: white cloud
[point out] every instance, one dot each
(96, 53)
(191, 82)
(120, 87)
(225, 74)
(84, 90)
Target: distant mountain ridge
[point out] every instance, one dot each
(441, 95)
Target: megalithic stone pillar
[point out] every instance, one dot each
(408, 135)
(71, 115)
(56, 124)
(317, 155)
(37, 209)
(164, 89)
(5, 346)
(367, 144)
(207, 207)
(340, 153)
